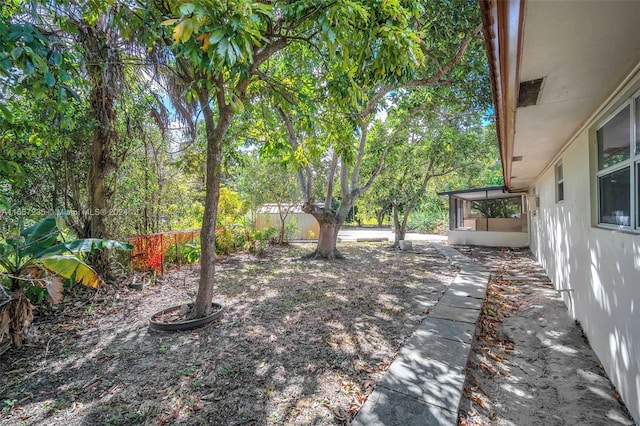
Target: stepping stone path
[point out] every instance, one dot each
(424, 384)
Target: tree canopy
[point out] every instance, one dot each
(134, 117)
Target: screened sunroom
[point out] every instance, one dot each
(488, 217)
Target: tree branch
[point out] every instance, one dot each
(395, 134)
(447, 67)
(442, 71)
(332, 175)
(344, 182)
(364, 131)
(305, 182)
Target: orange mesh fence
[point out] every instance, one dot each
(149, 250)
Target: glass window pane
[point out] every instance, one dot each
(614, 140)
(638, 126)
(615, 198)
(561, 191)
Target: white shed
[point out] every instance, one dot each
(307, 226)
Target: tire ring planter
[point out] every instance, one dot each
(184, 325)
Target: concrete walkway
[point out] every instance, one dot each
(424, 384)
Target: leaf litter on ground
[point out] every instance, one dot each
(301, 342)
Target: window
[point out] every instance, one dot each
(559, 183)
(618, 175)
(497, 208)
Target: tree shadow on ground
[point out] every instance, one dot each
(300, 343)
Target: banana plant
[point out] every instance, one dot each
(39, 248)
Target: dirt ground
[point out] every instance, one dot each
(301, 342)
(530, 363)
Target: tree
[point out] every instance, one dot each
(267, 180)
(443, 48)
(34, 75)
(85, 39)
(430, 146)
(220, 50)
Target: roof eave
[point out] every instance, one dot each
(503, 23)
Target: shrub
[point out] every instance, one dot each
(261, 238)
(230, 208)
(291, 228)
(181, 253)
(428, 222)
(229, 239)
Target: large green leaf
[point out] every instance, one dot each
(85, 245)
(69, 266)
(39, 236)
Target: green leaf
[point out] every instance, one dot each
(65, 76)
(39, 63)
(56, 59)
(167, 22)
(71, 267)
(188, 31)
(231, 54)
(6, 113)
(85, 245)
(39, 236)
(16, 53)
(187, 8)
(222, 47)
(216, 36)
(49, 79)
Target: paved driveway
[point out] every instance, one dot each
(353, 233)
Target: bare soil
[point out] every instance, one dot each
(531, 364)
(301, 342)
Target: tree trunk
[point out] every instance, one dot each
(282, 224)
(215, 136)
(380, 214)
(98, 204)
(330, 223)
(103, 136)
(399, 227)
(327, 239)
(103, 72)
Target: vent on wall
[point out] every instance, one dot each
(529, 92)
(517, 158)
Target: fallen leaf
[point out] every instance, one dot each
(54, 288)
(479, 401)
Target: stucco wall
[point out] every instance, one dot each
(506, 224)
(490, 239)
(599, 267)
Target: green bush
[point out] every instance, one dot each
(428, 222)
(230, 208)
(261, 238)
(265, 235)
(181, 253)
(290, 229)
(35, 293)
(229, 240)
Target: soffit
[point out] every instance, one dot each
(475, 194)
(583, 49)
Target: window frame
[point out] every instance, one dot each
(632, 163)
(559, 170)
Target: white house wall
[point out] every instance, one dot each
(598, 269)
